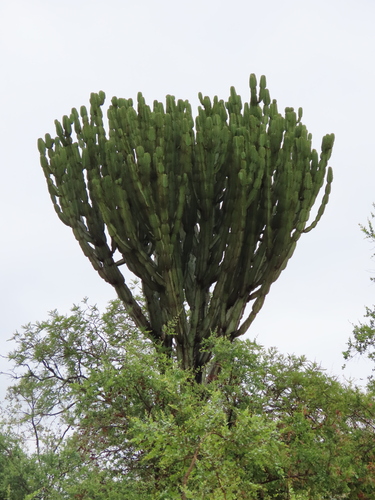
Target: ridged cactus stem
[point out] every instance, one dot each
(205, 212)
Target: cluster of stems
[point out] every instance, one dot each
(205, 212)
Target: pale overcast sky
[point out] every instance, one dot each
(318, 54)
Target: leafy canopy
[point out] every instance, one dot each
(131, 423)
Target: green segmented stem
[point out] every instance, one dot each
(206, 212)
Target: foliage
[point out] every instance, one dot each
(18, 473)
(363, 341)
(206, 212)
(133, 424)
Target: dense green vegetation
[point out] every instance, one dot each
(116, 418)
(19, 473)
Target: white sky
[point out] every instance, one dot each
(318, 54)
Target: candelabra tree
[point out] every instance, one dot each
(205, 212)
